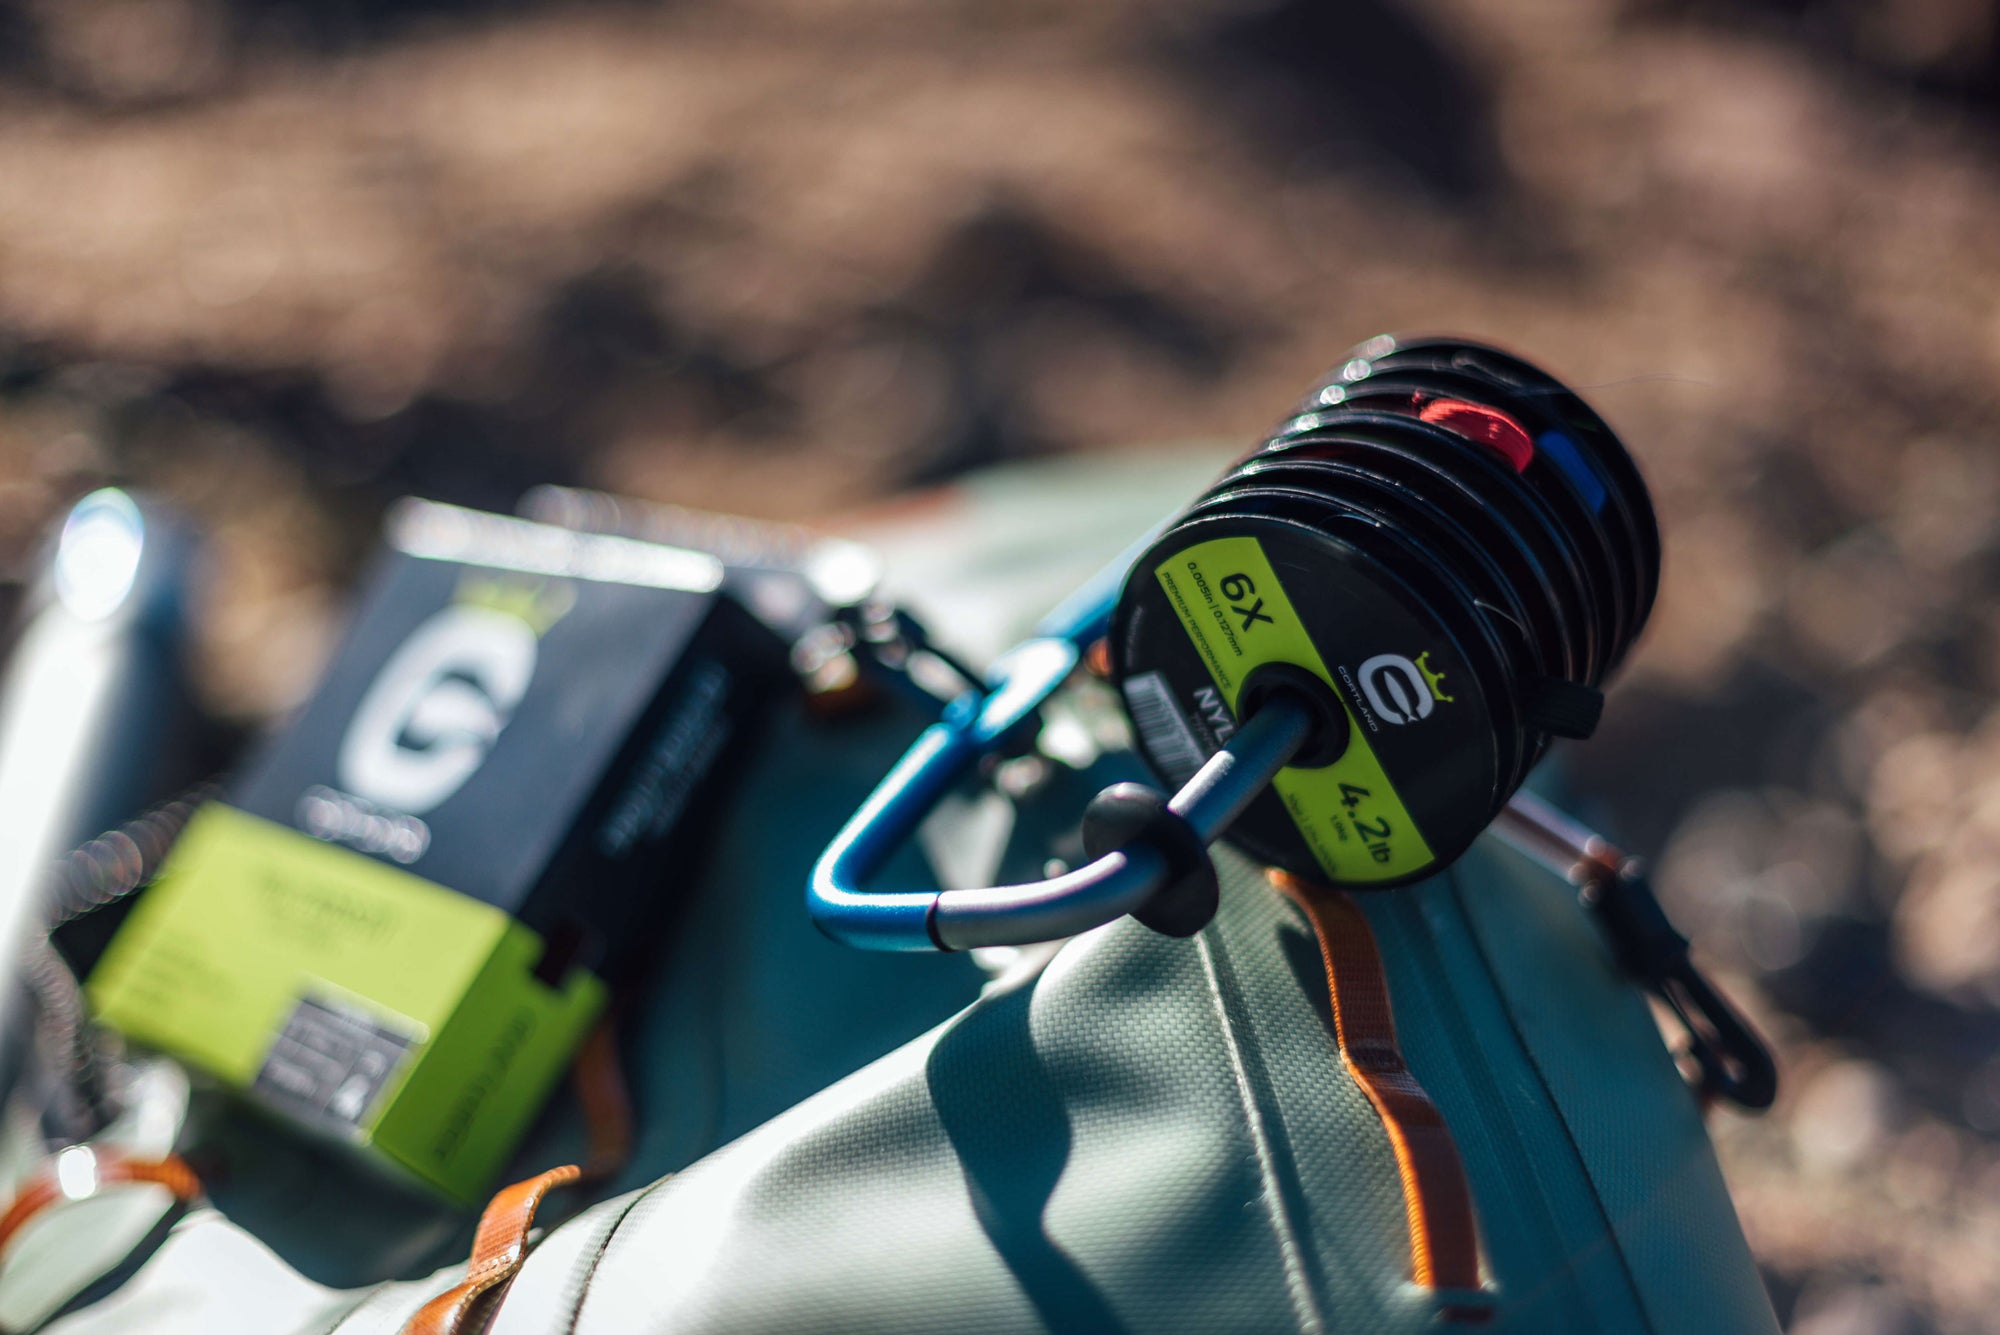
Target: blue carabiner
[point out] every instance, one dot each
(973, 725)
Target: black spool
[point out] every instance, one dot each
(1450, 541)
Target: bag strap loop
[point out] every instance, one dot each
(498, 1250)
(1444, 1240)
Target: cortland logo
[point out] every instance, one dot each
(441, 701)
(1401, 691)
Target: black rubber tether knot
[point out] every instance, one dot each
(1128, 814)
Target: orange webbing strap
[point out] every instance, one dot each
(501, 1244)
(59, 1181)
(606, 1102)
(498, 1250)
(1444, 1245)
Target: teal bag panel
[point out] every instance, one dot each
(1137, 1139)
(1160, 1134)
(1633, 1122)
(753, 1008)
(1591, 1169)
(1544, 1239)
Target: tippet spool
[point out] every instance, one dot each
(1447, 552)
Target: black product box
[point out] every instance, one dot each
(533, 717)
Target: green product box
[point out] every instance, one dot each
(349, 995)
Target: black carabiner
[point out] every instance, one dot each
(1733, 1061)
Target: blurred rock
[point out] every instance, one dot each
(1948, 921)
(1914, 799)
(1855, 1309)
(126, 52)
(1842, 1116)
(1945, 504)
(1924, 1167)
(1854, 602)
(1982, 1098)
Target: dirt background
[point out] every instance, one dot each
(283, 261)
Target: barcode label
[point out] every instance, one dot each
(1168, 739)
(329, 1062)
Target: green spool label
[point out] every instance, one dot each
(1236, 611)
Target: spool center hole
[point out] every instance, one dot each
(1331, 728)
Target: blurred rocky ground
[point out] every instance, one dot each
(286, 259)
